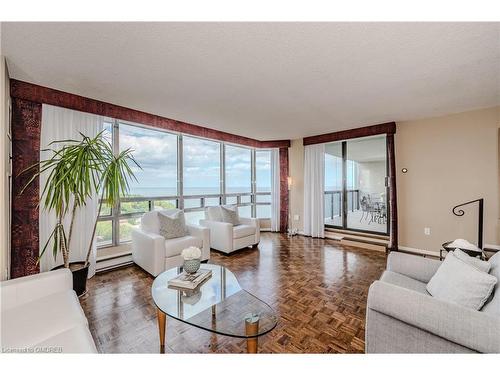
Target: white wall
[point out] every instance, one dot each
(450, 160)
(4, 172)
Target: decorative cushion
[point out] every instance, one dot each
(230, 215)
(492, 307)
(242, 230)
(481, 265)
(213, 213)
(458, 282)
(150, 222)
(172, 226)
(463, 244)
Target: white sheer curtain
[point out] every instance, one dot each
(59, 124)
(275, 190)
(314, 186)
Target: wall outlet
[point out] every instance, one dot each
(427, 231)
(296, 217)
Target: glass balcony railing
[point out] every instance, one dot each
(333, 202)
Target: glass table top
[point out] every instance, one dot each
(218, 305)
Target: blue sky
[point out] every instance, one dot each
(156, 152)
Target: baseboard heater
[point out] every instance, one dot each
(113, 262)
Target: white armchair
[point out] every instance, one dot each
(153, 253)
(227, 237)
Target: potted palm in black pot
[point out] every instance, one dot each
(79, 171)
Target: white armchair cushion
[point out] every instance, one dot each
(175, 246)
(243, 230)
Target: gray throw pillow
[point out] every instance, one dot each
(458, 282)
(492, 306)
(230, 215)
(172, 226)
(481, 265)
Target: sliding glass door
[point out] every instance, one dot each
(355, 185)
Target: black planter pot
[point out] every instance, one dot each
(79, 276)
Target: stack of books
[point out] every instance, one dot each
(190, 281)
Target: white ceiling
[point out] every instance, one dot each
(266, 80)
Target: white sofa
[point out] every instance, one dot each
(41, 314)
(227, 237)
(153, 253)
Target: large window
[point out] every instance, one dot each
(238, 178)
(201, 166)
(238, 163)
(156, 153)
(104, 229)
(263, 182)
(186, 172)
(201, 176)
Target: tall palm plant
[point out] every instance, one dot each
(77, 172)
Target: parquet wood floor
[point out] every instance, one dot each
(317, 287)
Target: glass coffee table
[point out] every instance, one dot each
(218, 305)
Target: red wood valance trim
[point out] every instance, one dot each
(385, 128)
(40, 94)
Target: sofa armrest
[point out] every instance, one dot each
(19, 291)
(413, 266)
(204, 234)
(148, 251)
(470, 328)
(221, 234)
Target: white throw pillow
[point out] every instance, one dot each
(230, 215)
(463, 244)
(213, 213)
(481, 265)
(458, 282)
